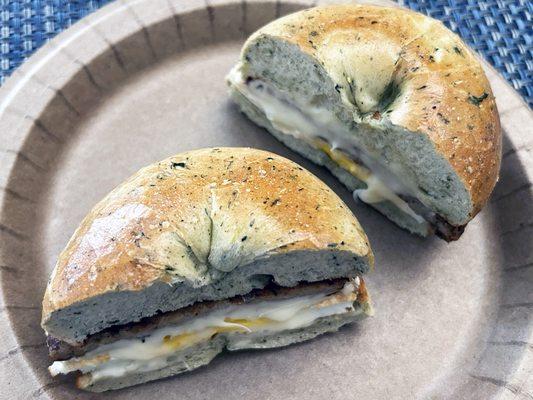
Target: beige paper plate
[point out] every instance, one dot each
(138, 81)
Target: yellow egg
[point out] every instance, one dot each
(249, 323)
(344, 161)
(185, 339)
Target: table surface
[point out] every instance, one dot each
(500, 30)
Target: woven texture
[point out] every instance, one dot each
(501, 30)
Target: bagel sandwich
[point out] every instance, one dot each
(390, 101)
(213, 249)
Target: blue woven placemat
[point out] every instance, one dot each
(501, 30)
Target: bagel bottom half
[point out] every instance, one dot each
(180, 341)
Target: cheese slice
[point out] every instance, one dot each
(238, 323)
(309, 123)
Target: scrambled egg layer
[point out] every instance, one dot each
(152, 351)
(344, 161)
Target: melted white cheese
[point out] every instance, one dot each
(376, 192)
(240, 323)
(318, 122)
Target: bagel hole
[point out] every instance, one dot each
(390, 94)
(319, 100)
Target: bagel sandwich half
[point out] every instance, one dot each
(224, 248)
(390, 101)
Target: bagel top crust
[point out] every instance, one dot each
(197, 215)
(442, 91)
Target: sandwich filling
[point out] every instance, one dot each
(322, 130)
(240, 325)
